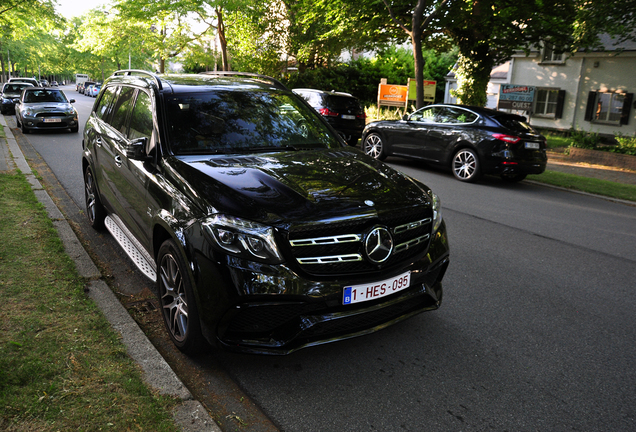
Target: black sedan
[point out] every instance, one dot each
(10, 94)
(44, 109)
(470, 140)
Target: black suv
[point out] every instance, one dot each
(341, 110)
(262, 231)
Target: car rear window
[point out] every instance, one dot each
(515, 123)
(342, 103)
(226, 121)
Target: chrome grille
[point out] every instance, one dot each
(342, 252)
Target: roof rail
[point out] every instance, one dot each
(246, 74)
(130, 72)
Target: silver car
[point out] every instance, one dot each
(45, 109)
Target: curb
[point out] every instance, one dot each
(190, 415)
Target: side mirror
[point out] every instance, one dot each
(405, 117)
(72, 101)
(136, 150)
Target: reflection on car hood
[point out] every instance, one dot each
(47, 106)
(10, 94)
(297, 185)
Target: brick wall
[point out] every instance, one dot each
(598, 157)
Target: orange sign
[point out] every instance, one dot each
(392, 93)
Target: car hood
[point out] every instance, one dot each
(297, 185)
(47, 106)
(11, 95)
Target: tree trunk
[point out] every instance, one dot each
(222, 40)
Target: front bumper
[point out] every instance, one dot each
(45, 123)
(275, 310)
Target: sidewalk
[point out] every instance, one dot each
(190, 415)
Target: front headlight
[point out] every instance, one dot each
(437, 212)
(243, 238)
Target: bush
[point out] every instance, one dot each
(626, 145)
(585, 140)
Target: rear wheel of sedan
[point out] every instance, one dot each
(466, 165)
(374, 146)
(177, 301)
(95, 211)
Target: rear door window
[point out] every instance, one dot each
(102, 110)
(141, 118)
(122, 108)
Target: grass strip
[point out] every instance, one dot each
(62, 367)
(585, 184)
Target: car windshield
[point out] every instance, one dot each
(44, 96)
(230, 121)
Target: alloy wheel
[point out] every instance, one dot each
(174, 301)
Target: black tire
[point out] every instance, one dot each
(95, 211)
(178, 304)
(23, 128)
(353, 142)
(465, 165)
(75, 129)
(373, 145)
(513, 178)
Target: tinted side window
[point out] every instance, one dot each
(122, 108)
(141, 118)
(102, 108)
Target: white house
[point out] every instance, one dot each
(590, 91)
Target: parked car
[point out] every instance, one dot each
(10, 94)
(341, 110)
(261, 230)
(40, 108)
(95, 90)
(44, 83)
(54, 84)
(471, 141)
(31, 81)
(88, 90)
(83, 86)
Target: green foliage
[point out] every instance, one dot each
(361, 77)
(585, 140)
(626, 145)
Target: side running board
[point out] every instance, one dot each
(131, 246)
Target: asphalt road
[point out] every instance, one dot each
(536, 331)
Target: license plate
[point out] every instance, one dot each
(371, 291)
(532, 145)
(52, 120)
(348, 117)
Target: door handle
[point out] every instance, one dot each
(118, 161)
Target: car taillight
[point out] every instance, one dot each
(328, 112)
(362, 116)
(507, 138)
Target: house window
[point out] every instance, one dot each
(549, 55)
(549, 103)
(608, 108)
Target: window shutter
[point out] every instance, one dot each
(627, 104)
(560, 103)
(589, 109)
